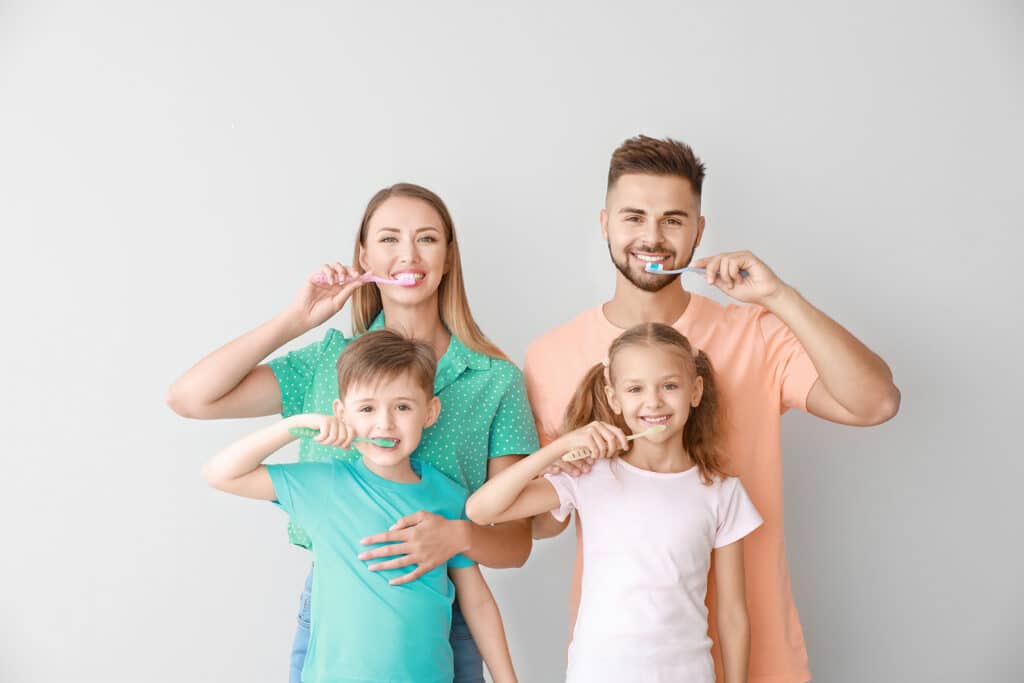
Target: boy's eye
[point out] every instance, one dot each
(365, 409)
(403, 406)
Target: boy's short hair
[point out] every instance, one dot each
(649, 156)
(383, 355)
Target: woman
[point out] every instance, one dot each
(485, 423)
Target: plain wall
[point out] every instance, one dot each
(169, 173)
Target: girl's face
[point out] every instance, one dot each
(652, 385)
(406, 235)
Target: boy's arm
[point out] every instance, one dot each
(239, 468)
(484, 620)
(731, 611)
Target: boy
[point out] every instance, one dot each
(364, 628)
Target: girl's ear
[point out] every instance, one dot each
(698, 391)
(609, 393)
(433, 411)
(339, 409)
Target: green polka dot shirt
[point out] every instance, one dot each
(484, 410)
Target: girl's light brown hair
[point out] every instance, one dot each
(383, 355)
(702, 434)
(452, 304)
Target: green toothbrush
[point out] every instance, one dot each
(306, 432)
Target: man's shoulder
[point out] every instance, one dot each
(559, 340)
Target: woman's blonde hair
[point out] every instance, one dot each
(702, 435)
(452, 304)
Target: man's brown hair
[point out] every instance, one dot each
(383, 355)
(650, 156)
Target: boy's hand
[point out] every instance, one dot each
(333, 432)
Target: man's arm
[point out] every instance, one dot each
(484, 621)
(855, 386)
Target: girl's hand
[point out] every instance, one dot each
(601, 439)
(422, 538)
(333, 432)
(324, 293)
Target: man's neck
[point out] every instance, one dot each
(421, 322)
(632, 306)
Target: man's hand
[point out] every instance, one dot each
(760, 285)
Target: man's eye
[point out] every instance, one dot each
(632, 219)
(673, 221)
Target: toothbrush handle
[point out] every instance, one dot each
(702, 271)
(580, 453)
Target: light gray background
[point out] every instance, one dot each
(169, 172)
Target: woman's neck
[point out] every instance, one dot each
(664, 458)
(421, 322)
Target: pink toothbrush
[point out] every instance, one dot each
(403, 280)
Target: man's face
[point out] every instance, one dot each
(651, 219)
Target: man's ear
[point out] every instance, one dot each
(433, 411)
(613, 400)
(339, 409)
(700, 232)
(604, 224)
(698, 392)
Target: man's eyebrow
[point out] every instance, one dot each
(630, 209)
(676, 212)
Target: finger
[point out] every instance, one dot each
(701, 262)
(407, 521)
(411, 576)
(712, 269)
(392, 550)
(326, 275)
(585, 466)
(347, 435)
(340, 273)
(608, 441)
(725, 272)
(385, 537)
(392, 564)
(734, 272)
(620, 436)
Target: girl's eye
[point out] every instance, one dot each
(670, 386)
(633, 390)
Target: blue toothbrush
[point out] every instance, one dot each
(306, 432)
(656, 268)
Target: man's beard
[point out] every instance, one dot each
(648, 282)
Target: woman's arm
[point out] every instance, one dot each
(733, 623)
(239, 468)
(230, 382)
(484, 620)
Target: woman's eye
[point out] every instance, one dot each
(430, 239)
(388, 239)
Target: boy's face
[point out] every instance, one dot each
(397, 409)
(651, 219)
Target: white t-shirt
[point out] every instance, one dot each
(647, 542)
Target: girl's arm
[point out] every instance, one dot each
(230, 382)
(516, 493)
(239, 468)
(484, 620)
(733, 623)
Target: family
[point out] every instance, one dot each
(653, 419)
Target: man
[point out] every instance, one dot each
(774, 353)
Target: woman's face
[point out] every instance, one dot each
(406, 235)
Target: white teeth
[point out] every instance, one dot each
(650, 259)
(655, 420)
(409, 277)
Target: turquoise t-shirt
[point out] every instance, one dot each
(363, 628)
(484, 410)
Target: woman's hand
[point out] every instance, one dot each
(422, 538)
(602, 440)
(324, 293)
(333, 432)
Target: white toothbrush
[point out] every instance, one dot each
(403, 280)
(656, 268)
(580, 453)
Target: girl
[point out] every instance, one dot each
(654, 517)
(485, 423)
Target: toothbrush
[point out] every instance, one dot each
(402, 280)
(306, 432)
(580, 453)
(657, 269)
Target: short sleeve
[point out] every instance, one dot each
(790, 368)
(301, 488)
(294, 372)
(737, 515)
(568, 489)
(512, 429)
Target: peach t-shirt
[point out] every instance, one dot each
(762, 370)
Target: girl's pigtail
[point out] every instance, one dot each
(702, 435)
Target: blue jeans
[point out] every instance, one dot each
(469, 665)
